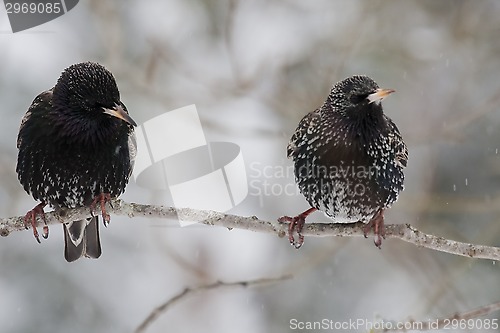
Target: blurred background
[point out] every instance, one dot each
(254, 69)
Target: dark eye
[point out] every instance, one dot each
(102, 105)
(358, 98)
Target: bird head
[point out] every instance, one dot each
(88, 91)
(356, 93)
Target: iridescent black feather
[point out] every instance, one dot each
(75, 143)
(348, 156)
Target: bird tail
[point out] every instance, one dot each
(81, 238)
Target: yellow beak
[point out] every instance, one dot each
(120, 113)
(379, 95)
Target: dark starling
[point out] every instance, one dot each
(348, 158)
(76, 148)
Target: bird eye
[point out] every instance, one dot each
(358, 98)
(100, 105)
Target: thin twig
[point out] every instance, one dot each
(158, 311)
(404, 232)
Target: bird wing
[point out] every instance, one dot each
(399, 146)
(132, 151)
(303, 134)
(41, 104)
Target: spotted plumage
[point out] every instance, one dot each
(348, 156)
(76, 148)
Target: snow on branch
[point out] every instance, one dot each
(404, 232)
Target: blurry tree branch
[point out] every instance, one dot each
(161, 309)
(404, 232)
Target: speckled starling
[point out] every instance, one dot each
(76, 148)
(348, 158)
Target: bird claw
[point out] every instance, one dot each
(30, 220)
(102, 199)
(377, 223)
(298, 245)
(296, 223)
(45, 233)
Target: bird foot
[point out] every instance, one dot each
(377, 223)
(296, 223)
(102, 199)
(30, 219)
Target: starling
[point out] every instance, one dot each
(348, 158)
(76, 149)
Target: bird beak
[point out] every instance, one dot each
(120, 113)
(379, 95)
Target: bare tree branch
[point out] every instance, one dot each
(158, 311)
(404, 232)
